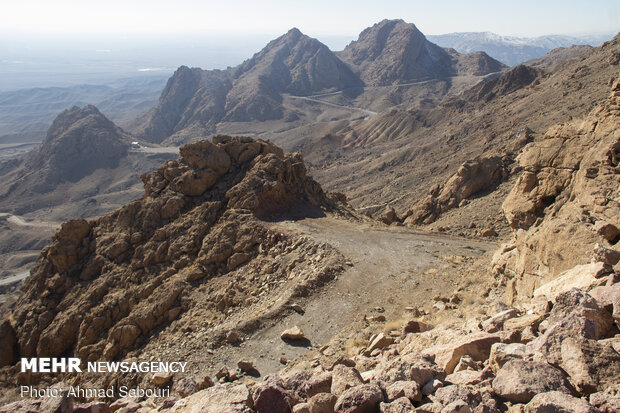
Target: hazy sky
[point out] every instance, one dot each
(315, 17)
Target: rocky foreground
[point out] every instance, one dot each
(557, 354)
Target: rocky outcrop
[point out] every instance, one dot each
(102, 286)
(565, 201)
(472, 177)
(406, 375)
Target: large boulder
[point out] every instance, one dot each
(360, 399)
(518, 381)
(590, 365)
(556, 401)
(216, 399)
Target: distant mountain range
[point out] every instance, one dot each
(388, 54)
(509, 49)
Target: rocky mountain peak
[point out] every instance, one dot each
(387, 36)
(79, 141)
(137, 268)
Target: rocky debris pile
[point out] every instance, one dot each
(565, 201)
(471, 178)
(191, 252)
(557, 354)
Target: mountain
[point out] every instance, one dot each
(295, 79)
(83, 160)
(392, 52)
(293, 63)
(398, 156)
(508, 49)
(160, 260)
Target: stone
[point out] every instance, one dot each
(344, 378)
(468, 363)
(608, 231)
(465, 377)
(430, 408)
(581, 277)
(233, 337)
(92, 407)
(216, 399)
(322, 403)
(61, 404)
(518, 381)
(605, 255)
(161, 379)
(449, 394)
(388, 216)
(294, 333)
(431, 387)
(607, 401)
(501, 353)
(457, 406)
(606, 296)
(22, 406)
(379, 342)
(477, 345)
(590, 365)
(246, 366)
(321, 383)
(222, 373)
(272, 399)
(414, 326)
(408, 389)
(520, 323)
(360, 399)
(496, 323)
(301, 408)
(185, 386)
(556, 401)
(582, 304)
(548, 346)
(400, 405)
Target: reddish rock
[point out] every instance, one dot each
(92, 407)
(273, 399)
(518, 380)
(408, 389)
(400, 405)
(322, 403)
(360, 399)
(344, 378)
(590, 365)
(556, 401)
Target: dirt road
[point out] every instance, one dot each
(391, 268)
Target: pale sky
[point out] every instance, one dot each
(316, 18)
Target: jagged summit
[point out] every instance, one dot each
(106, 284)
(293, 63)
(393, 51)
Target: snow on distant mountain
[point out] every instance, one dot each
(509, 49)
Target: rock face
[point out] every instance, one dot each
(393, 51)
(471, 178)
(194, 100)
(102, 286)
(562, 204)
